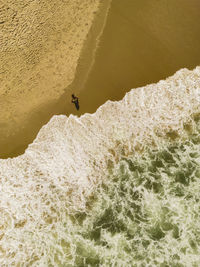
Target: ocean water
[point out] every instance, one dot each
(147, 212)
(119, 187)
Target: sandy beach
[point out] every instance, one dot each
(41, 43)
(98, 50)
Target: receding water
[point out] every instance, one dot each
(143, 41)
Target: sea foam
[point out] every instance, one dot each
(46, 193)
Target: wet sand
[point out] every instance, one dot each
(143, 41)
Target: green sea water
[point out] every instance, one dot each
(146, 213)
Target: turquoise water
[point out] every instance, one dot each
(147, 213)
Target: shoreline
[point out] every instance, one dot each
(136, 48)
(24, 130)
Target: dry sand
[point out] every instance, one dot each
(41, 42)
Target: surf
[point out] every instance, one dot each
(61, 188)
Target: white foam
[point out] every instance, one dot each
(69, 158)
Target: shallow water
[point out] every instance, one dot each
(143, 42)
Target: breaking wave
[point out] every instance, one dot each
(119, 187)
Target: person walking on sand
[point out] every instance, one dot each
(75, 101)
